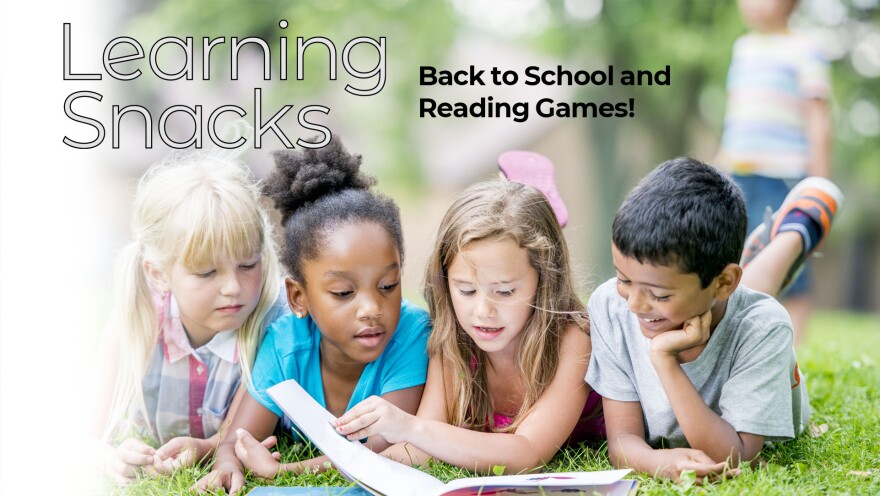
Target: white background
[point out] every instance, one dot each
(48, 230)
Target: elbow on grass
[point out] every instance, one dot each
(617, 456)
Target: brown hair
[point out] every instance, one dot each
(500, 210)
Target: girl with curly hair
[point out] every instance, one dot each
(351, 335)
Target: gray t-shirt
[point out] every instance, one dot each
(747, 373)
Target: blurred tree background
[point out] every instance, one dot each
(693, 37)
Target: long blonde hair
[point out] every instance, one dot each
(193, 210)
(499, 210)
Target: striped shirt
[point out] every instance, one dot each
(771, 79)
(188, 391)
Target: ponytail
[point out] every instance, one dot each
(135, 321)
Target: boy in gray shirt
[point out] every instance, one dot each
(697, 370)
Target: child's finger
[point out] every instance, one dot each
(135, 458)
(200, 485)
(269, 441)
(712, 477)
(210, 481)
(185, 458)
(167, 466)
(236, 483)
(132, 444)
(360, 434)
(171, 448)
(362, 408)
(247, 440)
(704, 470)
(357, 424)
(692, 325)
(240, 451)
(706, 324)
(257, 464)
(706, 319)
(698, 327)
(163, 467)
(276, 455)
(350, 415)
(726, 473)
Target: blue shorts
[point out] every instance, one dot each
(761, 192)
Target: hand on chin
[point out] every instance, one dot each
(694, 332)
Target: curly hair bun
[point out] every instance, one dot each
(303, 177)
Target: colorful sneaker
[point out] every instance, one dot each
(536, 170)
(815, 198)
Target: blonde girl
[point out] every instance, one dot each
(194, 292)
(509, 347)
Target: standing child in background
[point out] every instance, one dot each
(194, 293)
(777, 128)
(509, 347)
(351, 335)
(696, 369)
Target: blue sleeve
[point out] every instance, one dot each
(407, 363)
(268, 367)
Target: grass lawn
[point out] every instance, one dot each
(841, 359)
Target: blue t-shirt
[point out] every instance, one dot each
(291, 347)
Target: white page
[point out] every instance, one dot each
(545, 480)
(350, 457)
(380, 475)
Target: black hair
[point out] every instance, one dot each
(686, 214)
(317, 190)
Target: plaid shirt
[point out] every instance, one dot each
(188, 391)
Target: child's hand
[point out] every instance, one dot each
(256, 456)
(227, 476)
(375, 416)
(694, 333)
(681, 459)
(180, 452)
(131, 457)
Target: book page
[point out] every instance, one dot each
(374, 472)
(623, 487)
(379, 475)
(605, 482)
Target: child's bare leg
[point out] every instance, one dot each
(767, 271)
(799, 309)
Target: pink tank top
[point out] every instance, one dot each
(591, 424)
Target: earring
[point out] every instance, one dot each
(299, 314)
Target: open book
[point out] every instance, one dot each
(381, 476)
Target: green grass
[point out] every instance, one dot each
(841, 360)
